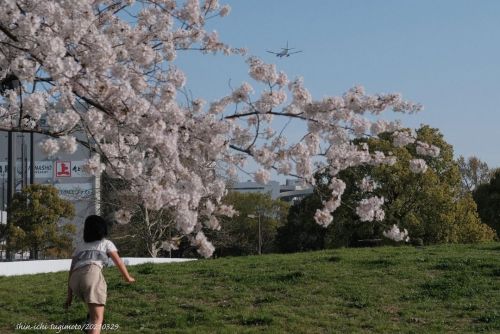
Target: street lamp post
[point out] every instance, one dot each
(253, 216)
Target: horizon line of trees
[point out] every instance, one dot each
(453, 202)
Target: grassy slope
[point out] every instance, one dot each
(380, 290)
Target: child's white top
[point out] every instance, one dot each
(95, 252)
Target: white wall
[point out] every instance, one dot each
(49, 266)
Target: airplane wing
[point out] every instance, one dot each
(274, 53)
(291, 53)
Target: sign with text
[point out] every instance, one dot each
(63, 168)
(45, 169)
(75, 191)
(77, 170)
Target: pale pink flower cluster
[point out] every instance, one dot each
(301, 95)
(93, 166)
(62, 121)
(242, 93)
(34, 105)
(227, 210)
(225, 10)
(270, 100)
(397, 235)
(261, 71)
(262, 176)
(169, 245)
(337, 187)
(367, 184)
(379, 127)
(68, 144)
(50, 147)
(403, 138)
(204, 247)
(369, 209)
(123, 216)
(323, 217)
(418, 166)
(108, 71)
(210, 5)
(213, 223)
(427, 149)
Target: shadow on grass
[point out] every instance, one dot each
(379, 263)
(488, 322)
(265, 299)
(334, 258)
(256, 320)
(289, 277)
(448, 287)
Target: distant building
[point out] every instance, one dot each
(291, 191)
(63, 171)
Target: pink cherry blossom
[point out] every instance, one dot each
(96, 68)
(418, 166)
(369, 209)
(397, 235)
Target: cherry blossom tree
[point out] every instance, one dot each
(107, 68)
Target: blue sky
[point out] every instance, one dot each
(444, 54)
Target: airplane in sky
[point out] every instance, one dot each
(285, 52)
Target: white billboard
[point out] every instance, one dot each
(48, 169)
(76, 191)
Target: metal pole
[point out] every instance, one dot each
(260, 238)
(24, 171)
(3, 191)
(11, 168)
(11, 182)
(32, 158)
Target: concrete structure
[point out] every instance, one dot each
(291, 191)
(50, 266)
(63, 171)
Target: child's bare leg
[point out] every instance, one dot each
(96, 317)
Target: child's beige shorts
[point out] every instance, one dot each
(88, 284)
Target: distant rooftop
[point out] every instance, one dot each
(293, 190)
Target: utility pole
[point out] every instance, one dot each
(11, 181)
(32, 158)
(258, 216)
(11, 168)
(10, 82)
(260, 236)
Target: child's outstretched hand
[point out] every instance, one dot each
(130, 279)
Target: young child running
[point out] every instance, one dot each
(85, 278)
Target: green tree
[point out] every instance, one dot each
(147, 229)
(474, 172)
(34, 222)
(430, 205)
(300, 232)
(239, 235)
(487, 197)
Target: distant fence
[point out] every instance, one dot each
(49, 266)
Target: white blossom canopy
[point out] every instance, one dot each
(107, 68)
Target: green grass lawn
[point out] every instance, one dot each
(452, 289)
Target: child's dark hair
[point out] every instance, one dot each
(96, 228)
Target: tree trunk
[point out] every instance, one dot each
(34, 253)
(150, 243)
(153, 251)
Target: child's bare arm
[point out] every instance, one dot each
(121, 266)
